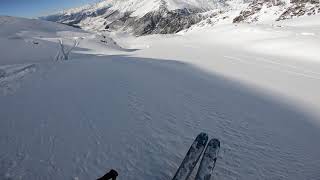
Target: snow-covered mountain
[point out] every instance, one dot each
(170, 16)
(142, 7)
(141, 17)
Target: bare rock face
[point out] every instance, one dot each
(296, 8)
(161, 21)
(165, 22)
(124, 21)
(254, 8)
(301, 8)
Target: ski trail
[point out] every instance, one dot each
(11, 77)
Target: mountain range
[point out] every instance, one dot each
(143, 17)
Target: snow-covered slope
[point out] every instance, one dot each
(27, 42)
(36, 40)
(137, 112)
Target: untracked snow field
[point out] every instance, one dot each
(135, 104)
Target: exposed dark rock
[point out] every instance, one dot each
(295, 9)
(122, 21)
(300, 8)
(165, 22)
(253, 8)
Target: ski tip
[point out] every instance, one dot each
(203, 136)
(214, 142)
(202, 140)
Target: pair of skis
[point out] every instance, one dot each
(207, 162)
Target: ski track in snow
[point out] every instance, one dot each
(12, 75)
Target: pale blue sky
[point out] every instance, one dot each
(35, 8)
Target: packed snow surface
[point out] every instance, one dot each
(136, 107)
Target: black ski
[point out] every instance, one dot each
(192, 157)
(208, 160)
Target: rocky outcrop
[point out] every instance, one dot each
(124, 21)
(301, 8)
(249, 14)
(163, 21)
(290, 10)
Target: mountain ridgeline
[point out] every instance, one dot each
(142, 17)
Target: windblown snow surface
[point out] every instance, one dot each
(138, 107)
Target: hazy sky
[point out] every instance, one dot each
(35, 8)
